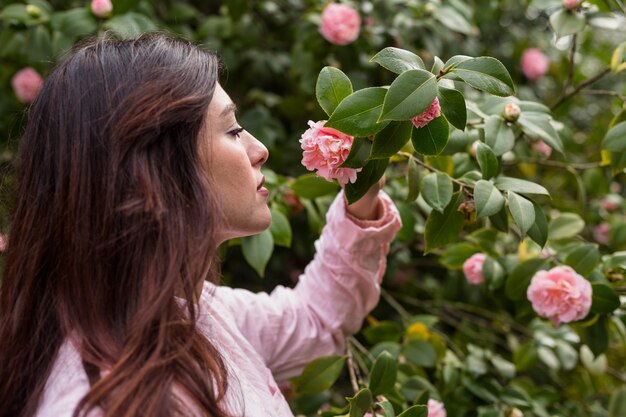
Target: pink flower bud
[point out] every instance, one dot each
(325, 149)
(560, 295)
(512, 112)
(534, 64)
(610, 203)
(474, 148)
(432, 112)
(542, 148)
(572, 4)
(473, 268)
(341, 24)
(26, 84)
(101, 8)
(436, 409)
(602, 233)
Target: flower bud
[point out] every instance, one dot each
(430, 8)
(101, 8)
(33, 11)
(474, 149)
(511, 112)
(514, 412)
(572, 4)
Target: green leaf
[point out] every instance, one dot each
(486, 74)
(500, 220)
(257, 250)
(421, 353)
(437, 190)
(432, 138)
(280, 229)
(359, 153)
(386, 408)
(74, 23)
(488, 199)
(443, 228)
(564, 226)
(130, 25)
(519, 279)
(360, 403)
(453, 107)
(487, 161)
(455, 255)
(319, 375)
(522, 211)
(415, 411)
(494, 273)
(538, 232)
(617, 404)
(454, 20)
(357, 114)
(383, 375)
(409, 95)
(398, 60)
(538, 126)
(615, 139)
(311, 186)
(498, 135)
(391, 139)
(413, 180)
(383, 331)
(332, 87)
(15, 12)
(567, 22)
(371, 173)
(604, 300)
(596, 336)
(584, 258)
(519, 186)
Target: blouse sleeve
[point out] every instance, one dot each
(291, 327)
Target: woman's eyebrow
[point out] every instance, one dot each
(232, 107)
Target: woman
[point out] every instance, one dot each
(133, 170)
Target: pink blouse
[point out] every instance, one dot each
(266, 338)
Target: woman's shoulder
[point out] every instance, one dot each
(66, 385)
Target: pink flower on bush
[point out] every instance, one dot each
(560, 295)
(542, 148)
(101, 8)
(473, 268)
(602, 233)
(534, 63)
(432, 112)
(571, 4)
(341, 24)
(436, 409)
(609, 204)
(325, 149)
(27, 83)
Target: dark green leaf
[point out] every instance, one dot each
(617, 404)
(383, 331)
(584, 258)
(437, 190)
(500, 220)
(454, 255)
(567, 22)
(487, 161)
(398, 60)
(319, 375)
(539, 230)
(441, 229)
(383, 375)
(371, 173)
(453, 107)
(312, 186)
(421, 353)
(413, 180)
(432, 138)
(360, 403)
(257, 250)
(453, 20)
(604, 300)
(522, 211)
(357, 114)
(488, 199)
(415, 411)
(387, 409)
(596, 336)
(130, 25)
(519, 279)
(391, 139)
(485, 74)
(519, 186)
(494, 273)
(332, 87)
(565, 225)
(409, 95)
(280, 229)
(498, 135)
(615, 139)
(359, 153)
(538, 126)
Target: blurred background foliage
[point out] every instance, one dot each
(465, 345)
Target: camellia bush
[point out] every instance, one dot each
(500, 128)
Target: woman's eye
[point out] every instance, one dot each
(236, 132)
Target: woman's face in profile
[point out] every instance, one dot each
(234, 158)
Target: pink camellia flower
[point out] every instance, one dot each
(602, 233)
(101, 8)
(542, 148)
(473, 268)
(534, 63)
(325, 149)
(560, 295)
(341, 24)
(571, 4)
(436, 409)
(27, 83)
(609, 203)
(432, 112)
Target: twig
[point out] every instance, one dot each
(433, 169)
(572, 53)
(394, 304)
(615, 374)
(582, 85)
(556, 164)
(353, 380)
(361, 348)
(606, 93)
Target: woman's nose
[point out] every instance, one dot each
(257, 151)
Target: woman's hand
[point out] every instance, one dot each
(367, 207)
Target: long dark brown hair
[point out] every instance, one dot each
(113, 229)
